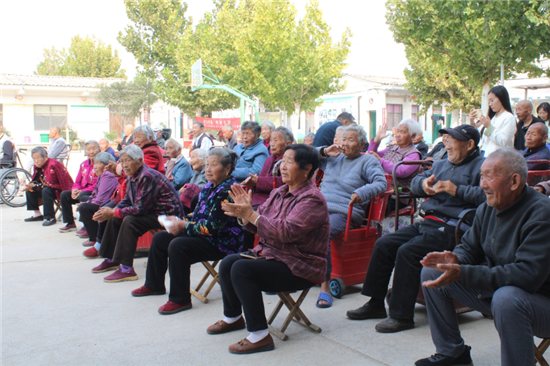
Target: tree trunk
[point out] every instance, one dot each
(485, 98)
(297, 113)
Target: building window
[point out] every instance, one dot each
(414, 112)
(48, 116)
(395, 114)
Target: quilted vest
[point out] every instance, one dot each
(394, 155)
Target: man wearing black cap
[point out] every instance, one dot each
(453, 186)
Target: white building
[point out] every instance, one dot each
(31, 104)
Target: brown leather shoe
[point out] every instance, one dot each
(244, 346)
(220, 326)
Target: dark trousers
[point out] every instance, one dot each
(87, 211)
(101, 225)
(48, 197)
(243, 280)
(119, 241)
(183, 252)
(404, 250)
(67, 203)
(518, 316)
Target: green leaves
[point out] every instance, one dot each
(258, 47)
(88, 57)
(455, 47)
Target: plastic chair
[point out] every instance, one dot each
(539, 352)
(537, 176)
(295, 313)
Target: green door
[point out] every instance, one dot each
(372, 124)
(449, 118)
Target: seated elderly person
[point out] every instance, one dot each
(252, 152)
(338, 135)
(262, 183)
(293, 227)
(351, 178)
(205, 235)
(453, 186)
(149, 194)
(159, 138)
(403, 150)
(267, 129)
(308, 140)
(420, 145)
(127, 139)
(535, 146)
(82, 188)
(8, 152)
(50, 178)
(104, 188)
(178, 169)
(190, 191)
(144, 138)
(500, 268)
(104, 146)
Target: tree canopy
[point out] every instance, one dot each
(88, 57)
(258, 47)
(127, 98)
(455, 48)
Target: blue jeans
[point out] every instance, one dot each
(518, 315)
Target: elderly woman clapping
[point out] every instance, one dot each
(262, 183)
(190, 191)
(178, 169)
(206, 235)
(293, 227)
(82, 188)
(252, 152)
(404, 150)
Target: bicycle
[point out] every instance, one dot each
(12, 180)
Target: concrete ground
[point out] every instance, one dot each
(54, 311)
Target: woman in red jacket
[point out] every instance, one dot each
(50, 178)
(144, 137)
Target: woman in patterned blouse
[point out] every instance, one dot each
(206, 234)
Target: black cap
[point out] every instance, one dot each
(463, 133)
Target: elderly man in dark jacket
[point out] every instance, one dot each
(453, 186)
(500, 268)
(535, 146)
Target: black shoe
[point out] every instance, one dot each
(34, 218)
(392, 325)
(367, 311)
(439, 360)
(49, 222)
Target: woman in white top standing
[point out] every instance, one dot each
(499, 128)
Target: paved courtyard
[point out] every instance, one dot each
(54, 311)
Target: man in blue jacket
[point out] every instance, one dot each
(500, 268)
(453, 186)
(178, 170)
(252, 152)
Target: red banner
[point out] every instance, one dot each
(218, 123)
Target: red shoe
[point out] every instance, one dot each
(105, 266)
(172, 308)
(120, 276)
(144, 291)
(91, 253)
(67, 228)
(81, 231)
